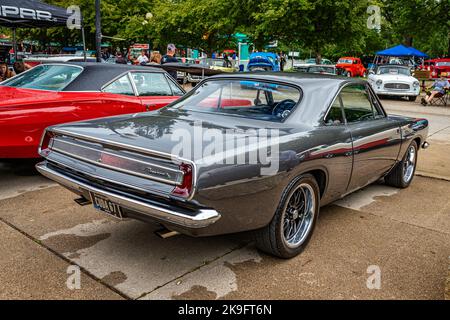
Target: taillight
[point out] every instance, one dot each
(185, 189)
(46, 143)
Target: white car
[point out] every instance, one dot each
(394, 80)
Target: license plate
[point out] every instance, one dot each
(102, 204)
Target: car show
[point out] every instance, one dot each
(224, 150)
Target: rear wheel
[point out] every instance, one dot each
(403, 173)
(293, 223)
(349, 74)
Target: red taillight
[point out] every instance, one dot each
(184, 190)
(46, 141)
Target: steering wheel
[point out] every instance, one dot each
(367, 116)
(283, 108)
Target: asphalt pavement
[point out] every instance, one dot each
(46, 240)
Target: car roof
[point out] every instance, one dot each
(301, 79)
(96, 75)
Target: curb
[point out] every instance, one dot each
(447, 283)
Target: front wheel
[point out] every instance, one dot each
(349, 74)
(293, 223)
(412, 98)
(403, 173)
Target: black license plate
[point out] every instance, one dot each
(102, 204)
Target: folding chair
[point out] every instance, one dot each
(441, 99)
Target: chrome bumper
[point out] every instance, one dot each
(201, 219)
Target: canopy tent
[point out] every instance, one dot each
(33, 14)
(399, 51)
(402, 51)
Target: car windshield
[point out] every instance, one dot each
(394, 71)
(46, 77)
(345, 61)
(443, 64)
(247, 98)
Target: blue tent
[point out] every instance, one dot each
(402, 51)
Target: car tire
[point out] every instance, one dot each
(412, 98)
(349, 74)
(295, 213)
(403, 173)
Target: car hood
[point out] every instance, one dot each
(167, 130)
(18, 96)
(390, 77)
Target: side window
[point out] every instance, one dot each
(335, 116)
(176, 91)
(120, 86)
(357, 105)
(151, 84)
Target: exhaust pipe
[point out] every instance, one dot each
(166, 233)
(83, 201)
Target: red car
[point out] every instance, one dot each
(352, 67)
(437, 66)
(51, 94)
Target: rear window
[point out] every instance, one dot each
(46, 77)
(245, 98)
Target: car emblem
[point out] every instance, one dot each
(153, 171)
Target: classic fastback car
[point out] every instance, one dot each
(394, 80)
(331, 136)
(57, 93)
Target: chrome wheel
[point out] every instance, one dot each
(298, 215)
(409, 164)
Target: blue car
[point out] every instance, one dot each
(263, 61)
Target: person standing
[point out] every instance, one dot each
(143, 59)
(282, 61)
(170, 57)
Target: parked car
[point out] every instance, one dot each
(320, 69)
(263, 61)
(441, 66)
(218, 64)
(57, 93)
(394, 80)
(35, 60)
(303, 65)
(323, 61)
(353, 67)
(333, 137)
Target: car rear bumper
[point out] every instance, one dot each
(172, 215)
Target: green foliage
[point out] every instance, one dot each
(331, 28)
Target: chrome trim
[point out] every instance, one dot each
(126, 171)
(203, 218)
(119, 183)
(175, 159)
(425, 145)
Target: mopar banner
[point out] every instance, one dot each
(31, 13)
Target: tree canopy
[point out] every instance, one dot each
(330, 28)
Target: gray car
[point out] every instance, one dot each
(240, 152)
